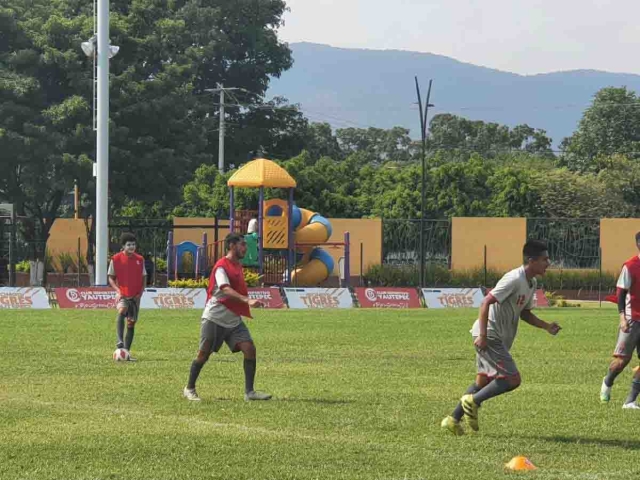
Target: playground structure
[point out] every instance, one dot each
(285, 231)
(186, 256)
(285, 248)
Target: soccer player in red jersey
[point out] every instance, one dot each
(628, 292)
(127, 276)
(227, 303)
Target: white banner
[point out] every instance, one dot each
(319, 297)
(452, 297)
(173, 298)
(24, 298)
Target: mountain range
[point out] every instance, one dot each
(376, 88)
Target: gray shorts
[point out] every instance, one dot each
(132, 305)
(628, 341)
(495, 361)
(212, 336)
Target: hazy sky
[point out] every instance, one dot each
(522, 36)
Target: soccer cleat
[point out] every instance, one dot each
(631, 406)
(132, 359)
(190, 394)
(470, 412)
(605, 393)
(253, 395)
(451, 424)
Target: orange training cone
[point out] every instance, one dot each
(520, 463)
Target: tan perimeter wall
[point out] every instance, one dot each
(618, 242)
(504, 238)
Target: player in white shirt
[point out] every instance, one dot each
(494, 332)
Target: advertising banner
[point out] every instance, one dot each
(319, 297)
(388, 297)
(452, 297)
(270, 297)
(24, 298)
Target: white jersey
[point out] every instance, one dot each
(514, 293)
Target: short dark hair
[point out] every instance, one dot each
(638, 238)
(232, 239)
(127, 237)
(533, 249)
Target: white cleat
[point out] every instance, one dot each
(630, 406)
(190, 394)
(256, 396)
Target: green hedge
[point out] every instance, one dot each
(441, 276)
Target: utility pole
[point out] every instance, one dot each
(221, 132)
(424, 112)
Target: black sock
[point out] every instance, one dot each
(129, 338)
(495, 388)
(120, 331)
(249, 374)
(193, 374)
(458, 413)
(635, 390)
(611, 377)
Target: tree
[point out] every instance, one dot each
(161, 117)
(451, 132)
(393, 145)
(611, 125)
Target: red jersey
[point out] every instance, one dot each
(128, 270)
(236, 281)
(630, 280)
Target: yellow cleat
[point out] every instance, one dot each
(470, 412)
(450, 423)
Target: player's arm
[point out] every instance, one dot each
(529, 317)
(222, 280)
(111, 277)
(483, 320)
(623, 287)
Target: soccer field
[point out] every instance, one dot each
(357, 395)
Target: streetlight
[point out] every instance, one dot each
(98, 47)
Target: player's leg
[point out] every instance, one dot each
(622, 354)
(481, 382)
(241, 340)
(496, 362)
(133, 309)
(630, 402)
(121, 308)
(211, 337)
(452, 422)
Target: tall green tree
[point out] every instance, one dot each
(611, 125)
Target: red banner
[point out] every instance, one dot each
(388, 297)
(270, 297)
(541, 299)
(86, 298)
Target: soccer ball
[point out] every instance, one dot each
(121, 355)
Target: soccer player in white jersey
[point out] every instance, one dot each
(494, 332)
(628, 296)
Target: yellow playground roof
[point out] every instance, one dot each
(261, 173)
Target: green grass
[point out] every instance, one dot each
(357, 395)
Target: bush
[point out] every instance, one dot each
(23, 266)
(251, 278)
(441, 276)
(435, 276)
(161, 265)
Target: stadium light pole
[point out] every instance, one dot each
(99, 44)
(424, 112)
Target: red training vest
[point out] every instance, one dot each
(129, 271)
(236, 281)
(633, 296)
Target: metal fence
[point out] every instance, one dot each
(574, 243)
